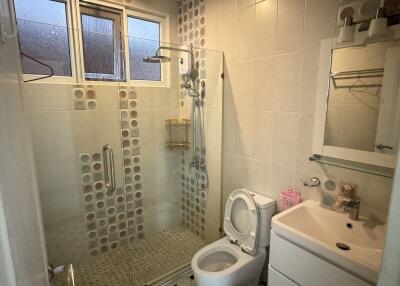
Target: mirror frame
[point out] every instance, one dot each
(366, 157)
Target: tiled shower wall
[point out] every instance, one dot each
(70, 124)
(201, 202)
(271, 52)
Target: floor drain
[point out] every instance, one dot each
(342, 246)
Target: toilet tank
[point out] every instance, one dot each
(266, 206)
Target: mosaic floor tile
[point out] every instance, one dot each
(136, 264)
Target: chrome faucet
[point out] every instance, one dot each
(353, 207)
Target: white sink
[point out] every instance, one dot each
(318, 230)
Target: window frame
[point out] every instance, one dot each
(61, 79)
(165, 77)
(121, 31)
(76, 46)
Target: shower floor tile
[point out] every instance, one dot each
(136, 264)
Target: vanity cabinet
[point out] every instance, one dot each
(291, 265)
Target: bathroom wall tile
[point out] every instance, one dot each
(238, 133)
(264, 84)
(307, 193)
(242, 80)
(212, 12)
(226, 37)
(241, 4)
(375, 193)
(227, 8)
(284, 139)
(160, 98)
(320, 21)
(304, 146)
(62, 209)
(266, 15)
(213, 131)
(212, 35)
(240, 172)
(290, 25)
(52, 133)
(214, 168)
(243, 37)
(262, 136)
(309, 80)
(279, 179)
(56, 173)
(227, 185)
(47, 97)
(94, 129)
(145, 97)
(107, 97)
(160, 132)
(287, 82)
(259, 176)
(214, 87)
(342, 175)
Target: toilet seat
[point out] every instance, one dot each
(241, 220)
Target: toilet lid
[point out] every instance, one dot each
(241, 220)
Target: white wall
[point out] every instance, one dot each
(22, 248)
(271, 50)
(390, 275)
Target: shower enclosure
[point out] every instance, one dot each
(118, 206)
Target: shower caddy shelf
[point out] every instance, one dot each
(173, 143)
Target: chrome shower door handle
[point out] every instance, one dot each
(108, 161)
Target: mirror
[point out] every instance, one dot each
(363, 111)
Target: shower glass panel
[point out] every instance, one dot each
(121, 204)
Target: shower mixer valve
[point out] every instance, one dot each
(198, 163)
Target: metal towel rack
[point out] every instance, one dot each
(357, 74)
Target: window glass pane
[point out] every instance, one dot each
(43, 35)
(98, 44)
(101, 36)
(144, 39)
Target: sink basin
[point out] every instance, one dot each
(355, 246)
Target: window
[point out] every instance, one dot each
(102, 43)
(144, 39)
(108, 34)
(43, 35)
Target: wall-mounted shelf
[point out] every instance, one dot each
(178, 139)
(364, 168)
(177, 122)
(176, 145)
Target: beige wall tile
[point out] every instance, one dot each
(262, 136)
(290, 25)
(287, 82)
(244, 39)
(264, 84)
(320, 21)
(266, 15)
(284, 138)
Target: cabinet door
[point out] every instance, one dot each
(277, 279)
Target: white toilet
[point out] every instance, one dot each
(238, 258)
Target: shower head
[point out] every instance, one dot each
(156, 59)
